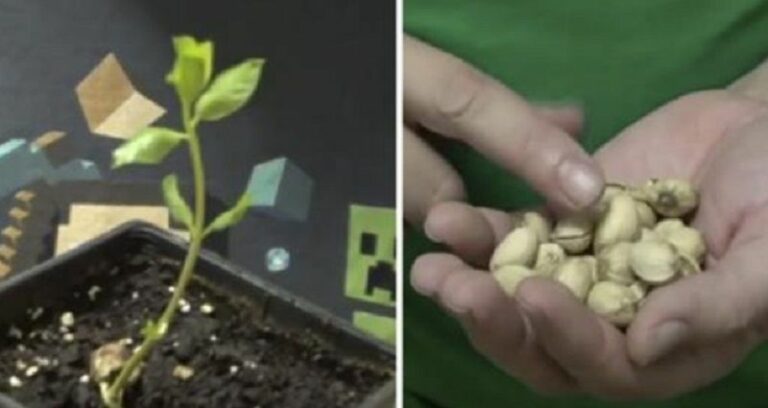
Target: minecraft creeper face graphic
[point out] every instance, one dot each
(371, 255)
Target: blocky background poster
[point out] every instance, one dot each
(324, 116)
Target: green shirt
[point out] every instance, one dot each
(620, 60)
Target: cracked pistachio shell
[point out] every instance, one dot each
(649, 235)
(539, 224)
(549, 257)
(671, 197)
(645, 214)
(687, 266)
(638, 192)
(686, 240)
(654, 262)
(509, 277)
(668, 225)
(577, 274)
(516, 220)
(619, 224)
(613, 301)
(591, 261)
(639, 291)
(518, 248)
(574, 234)
(107, 360)
(611, 190)
(613, 264)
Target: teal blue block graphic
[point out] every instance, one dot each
(22, 164)
(280, 189)
(10, 146)
(75, 170)
(19, 166)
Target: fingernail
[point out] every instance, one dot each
(425, 281)
(665, 338)
(430, 233)
(580, 181)
(421, 289)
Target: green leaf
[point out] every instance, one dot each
(231, 216)
(179, 208)
(229, 91)
(192, 69)
(150, 146)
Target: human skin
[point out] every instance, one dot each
(446, 96)
(687, 334)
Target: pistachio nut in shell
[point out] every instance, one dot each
(620, 223)
(671, 197)
(517, 248)
(577, 274)
(613, 263)
(647, 234)
(645, 192)
(668, 225)
(549, 257)
(613, 301)
(645, 214)
(509, 277)
(540, 225)
(654, 261)
(611, 190)
(639, 290)
(687, 266)
(686, 240)
(573, 233)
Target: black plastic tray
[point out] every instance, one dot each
(41, 284)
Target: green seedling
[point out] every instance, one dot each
(202, 100)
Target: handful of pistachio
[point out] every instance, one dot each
(637, 242)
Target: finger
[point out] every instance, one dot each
(429, 179)
(725, 203)
(449, 97)
(430, 270)
(472, 233)
(594, 353)
(568, 118)
(586, 347)
(729, 301)
(688, 369)
(495, 326)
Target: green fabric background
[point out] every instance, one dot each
(619, 59)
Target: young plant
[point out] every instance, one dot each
(202, 100)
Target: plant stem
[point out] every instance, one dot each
(196, 232)
(113, 396)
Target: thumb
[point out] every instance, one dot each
(727, 302)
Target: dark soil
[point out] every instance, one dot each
(238, 360)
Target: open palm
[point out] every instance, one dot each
(688, 334)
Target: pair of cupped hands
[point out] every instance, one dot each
(687, 334)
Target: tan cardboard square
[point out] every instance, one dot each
(87, 221)
(110, 103)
